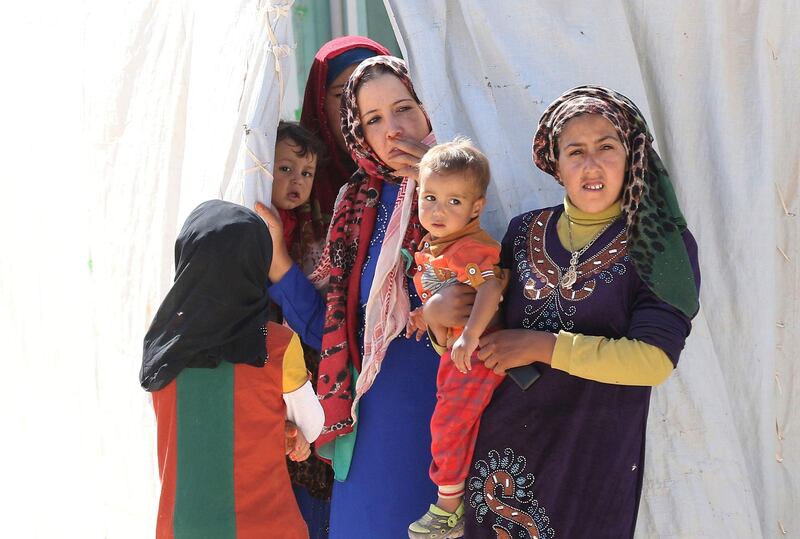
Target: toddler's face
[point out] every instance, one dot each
(293, 175)
(447, 202)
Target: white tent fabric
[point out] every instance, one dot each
(250, 180)
(718, 82)
(121, 118)
(91, 204)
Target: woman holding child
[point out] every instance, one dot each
(378, 391)
(601, 294)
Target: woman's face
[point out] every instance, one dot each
(591, 162)
(389, 114)
(333, 103)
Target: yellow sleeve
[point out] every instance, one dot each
(294, 366)
(612, 361)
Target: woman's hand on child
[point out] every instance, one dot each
(508, 348)
(297, 447)
(281, 261)
(416, 325)
(450, 307)
(462, 351)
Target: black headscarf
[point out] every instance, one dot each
(217, 306)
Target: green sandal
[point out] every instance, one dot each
(438, 524)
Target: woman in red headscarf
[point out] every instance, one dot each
(333, 64)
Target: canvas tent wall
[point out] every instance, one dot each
(126, 117)
(718, 82)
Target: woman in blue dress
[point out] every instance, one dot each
(378, 391)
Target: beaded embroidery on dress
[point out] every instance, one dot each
(502, 490)
(541, 276)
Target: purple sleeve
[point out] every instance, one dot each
(507, 245)
(302, 306)
(658, 323)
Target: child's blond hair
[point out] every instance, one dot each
(458, 156)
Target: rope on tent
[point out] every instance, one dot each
(272, 15)
(258, 164)
(783, 201)
(781, 325)
(279, 51)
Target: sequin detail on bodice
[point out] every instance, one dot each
(540, 275)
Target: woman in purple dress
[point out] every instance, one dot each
(601, 295)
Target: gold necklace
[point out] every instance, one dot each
(568, 279)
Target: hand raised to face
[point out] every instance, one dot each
(393, 123)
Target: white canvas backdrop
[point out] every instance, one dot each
(718, 82)
(118, 118)
(91, 204)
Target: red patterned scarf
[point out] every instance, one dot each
(348, 241)
(335, 172)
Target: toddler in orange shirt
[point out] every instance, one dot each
(453, 178)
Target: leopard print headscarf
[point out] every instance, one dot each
(348, 240)
(654, 221)
(352, 128)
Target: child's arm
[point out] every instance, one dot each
(302, 406)
(449, 307)
(487, 300)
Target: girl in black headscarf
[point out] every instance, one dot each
(224, 380)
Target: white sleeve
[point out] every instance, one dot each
(304, 410)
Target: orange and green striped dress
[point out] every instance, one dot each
(221, 450)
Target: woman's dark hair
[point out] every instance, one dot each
(302, 137)
(373, 72)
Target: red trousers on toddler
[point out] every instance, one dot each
(460, 401)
